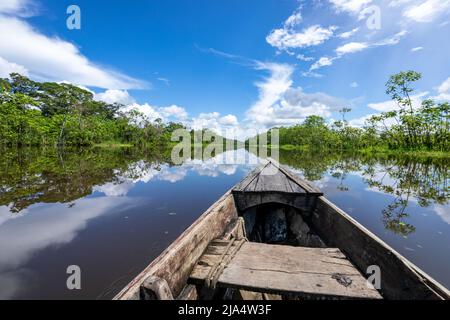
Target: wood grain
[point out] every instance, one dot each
(304, 272)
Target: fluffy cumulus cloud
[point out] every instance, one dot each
(361, 121)
(174, 111)
(445, 86)
(281, 104)
(391, 105)
(214, 121)
(350, 6)
(427, 11)
(6, 68)
(51, 58)
(229, 120)
(284, 39)
(227, 125)
(443, 91)
(115, 96)
(270, 91)
(322, 62)
(293, 20)
(151, 113)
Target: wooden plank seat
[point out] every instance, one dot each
(315, 273)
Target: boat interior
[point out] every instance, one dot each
(273, 237)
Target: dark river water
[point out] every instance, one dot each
(111, 212)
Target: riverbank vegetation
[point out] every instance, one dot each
(61, 114)
(64, 115)
(407, 129)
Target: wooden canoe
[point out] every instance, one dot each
(211, 258)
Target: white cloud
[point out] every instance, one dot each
(280, 104)
(284, 39)
(416, 49)
(348, 34)
(115, 96)
(311, 74)
(354, 47)
(165, 80)
(17, 7)
(322, 62)
(294, 20)
(351, 48)
(397, 3)
(206, 120)
(445, 86)
(360, 122)
(443, 212)
(6, 68)
(354, 85)
(427, 11)
(227, 126)
(34, 228)
(391, 41)
(228, 120)
(350, 6)
(391, 105)
(444, 91)
(53, 59)
(150, 113)
(270, 91)
(173, 111)
(304, 58)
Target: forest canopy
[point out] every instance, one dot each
(61, 114)
(409, 127)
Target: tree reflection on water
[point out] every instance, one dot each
(423, 180)
(31, 176)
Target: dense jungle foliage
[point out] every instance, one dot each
(409, 127)
(61, 114)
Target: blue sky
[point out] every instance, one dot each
(235, 64)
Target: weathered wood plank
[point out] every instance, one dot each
(295, 187)
(271, 179)
(253, 175)
(189, 292)
(400, 279)
(210, 258)
(308, 272)
(252, 185)
(274, 178)
(301, 182)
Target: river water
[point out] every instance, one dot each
(111, 212)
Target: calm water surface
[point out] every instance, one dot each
(112, 212)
